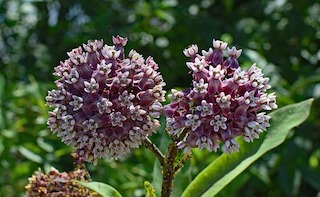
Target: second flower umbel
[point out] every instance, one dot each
(224, 102)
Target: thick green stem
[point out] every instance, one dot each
(167, 161)
(168, 170)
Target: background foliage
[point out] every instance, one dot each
(282, 36)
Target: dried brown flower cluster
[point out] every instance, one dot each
(58, 184)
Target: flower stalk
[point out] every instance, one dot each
(155, 150)
(168, 171)
(168, 162)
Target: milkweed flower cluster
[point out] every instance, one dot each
(55, 183)
(105, 104)
(223, 103)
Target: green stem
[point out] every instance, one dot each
(167, 161)
(182, 161)
(168, 170)
(153, 148)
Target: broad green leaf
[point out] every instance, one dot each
(226, 167)
(101, 188)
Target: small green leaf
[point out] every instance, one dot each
(101, 188)
(2, 85)
(44, 145)
(157, 177)
(150, 192)
(29, 154)
(1, 145)
(226, 167)
(165, 15)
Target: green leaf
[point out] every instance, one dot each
(311, 176)
(29, 154)
(2, 90)
(1, 145)
(101, 188)
(226, 167)
(2, 85)
(44, 145)
(165, 15)
(157, 177)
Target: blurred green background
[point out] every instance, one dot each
(281, 36)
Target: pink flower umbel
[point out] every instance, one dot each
(105, 104)
(224, 102)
